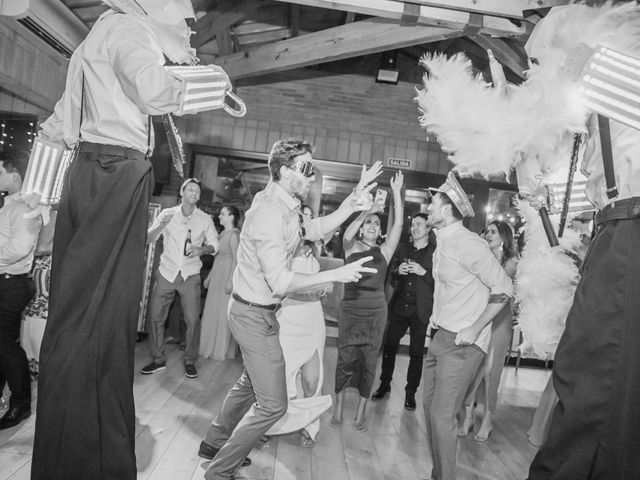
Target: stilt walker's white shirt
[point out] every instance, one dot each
(124, 82)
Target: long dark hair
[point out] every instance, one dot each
(508, 244)
(233, 210)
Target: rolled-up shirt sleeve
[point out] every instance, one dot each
(479, 260)
(22, 241)
(267, 233)
(313, 228)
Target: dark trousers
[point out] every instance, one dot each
(595, 429)
(85, 421)
(401, 320)
(15, 294)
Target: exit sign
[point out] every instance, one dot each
(400, 163)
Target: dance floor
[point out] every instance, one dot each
(173, 413)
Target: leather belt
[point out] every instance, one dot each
(115, 150)
(273, 307)
(9, 276)
(625, 209)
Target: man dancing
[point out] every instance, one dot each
(179, 271)
(273, 227)
(470, 289)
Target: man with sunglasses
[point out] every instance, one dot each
(188, 233)
(272, 229)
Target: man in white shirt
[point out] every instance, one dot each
(470, 289)
(18, 235)
(115, 82)
(187, 234)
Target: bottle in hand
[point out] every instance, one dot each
(187, 244)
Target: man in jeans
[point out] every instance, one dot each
(410, 308)
(185, 229)
(273, 227)
(18, 235)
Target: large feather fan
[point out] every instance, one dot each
(483, 129)
(545, 285)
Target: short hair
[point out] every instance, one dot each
(284, 153)
(424, 216)
(234, 212)
(187, 182)
(14, 164)
(454, 210)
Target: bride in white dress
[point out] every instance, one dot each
(302, 337)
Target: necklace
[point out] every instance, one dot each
(370, 246)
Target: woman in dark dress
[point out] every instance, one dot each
(363, 311)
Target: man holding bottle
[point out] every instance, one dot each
(188, 233)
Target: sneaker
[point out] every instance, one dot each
(190, 371)
(153, 367)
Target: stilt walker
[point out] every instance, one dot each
(85, 422)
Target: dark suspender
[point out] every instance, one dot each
(607, 157)
(148, 136)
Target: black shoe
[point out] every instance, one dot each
(207, 452)
(383, 391)
(190, 370)
(14, 416)
(153, 367)
(410, 401)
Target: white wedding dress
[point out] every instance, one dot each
(302, 334)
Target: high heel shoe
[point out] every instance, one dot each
(360, 426)
(305, 439)
(467, 423)
(485, 429)
(335, 423)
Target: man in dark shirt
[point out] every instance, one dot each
(410, 307)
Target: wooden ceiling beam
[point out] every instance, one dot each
(294, 21)
(224, 42)
(226, 14)
(498, 8)
(503, 52)
(358, 38)
(434, 16)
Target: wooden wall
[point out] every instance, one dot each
(349, 118)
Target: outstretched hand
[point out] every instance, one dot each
(397, 181)
(362, 199)
(352, 272)
(369, 175)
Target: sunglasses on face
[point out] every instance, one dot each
(305, 167)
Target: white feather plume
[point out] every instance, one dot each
(483, 130)
(545, 285)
